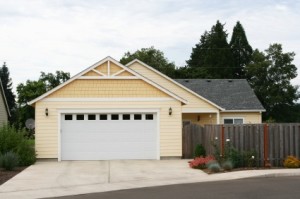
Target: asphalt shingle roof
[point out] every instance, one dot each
(235, 94)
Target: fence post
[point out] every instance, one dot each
(222, 139)
(266, 146)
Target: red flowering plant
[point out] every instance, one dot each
(201, 162)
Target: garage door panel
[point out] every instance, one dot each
(109, 139)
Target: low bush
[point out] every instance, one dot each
(214, 167)
(26, 153)
(13, 140)
(227, 165)
(9, 160)
(201, 162)
(200, 151)
(291, 162)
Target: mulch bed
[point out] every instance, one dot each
(242, 169)
(6, 175)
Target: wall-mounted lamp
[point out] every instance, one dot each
(170, 111)
(46, 112)
(198, 118)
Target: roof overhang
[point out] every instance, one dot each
(246, 110)
(4, 97)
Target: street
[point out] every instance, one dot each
(278, 187)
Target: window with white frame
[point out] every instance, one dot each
(233, 120)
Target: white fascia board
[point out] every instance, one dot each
(173, 81)
(141, 99)
(118, 64)
(198, 110)
(246, 111)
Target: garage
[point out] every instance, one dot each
(109, 136)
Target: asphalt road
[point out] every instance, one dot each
(253, 188)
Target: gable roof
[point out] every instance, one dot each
(4, 98)
(176, 83)
(231, 94)
(118, 64)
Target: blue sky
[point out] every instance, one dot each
(70, 35)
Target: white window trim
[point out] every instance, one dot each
(233, 118)
(60, 112)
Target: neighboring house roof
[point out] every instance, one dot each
(4, 98)
(118, 64)
(231, 94)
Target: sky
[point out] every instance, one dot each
(71, 35)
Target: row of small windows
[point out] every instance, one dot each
(112, 117)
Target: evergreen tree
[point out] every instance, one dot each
(7, 87)
(241, 50)
(213, 55)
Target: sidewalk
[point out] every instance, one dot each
(72, 178)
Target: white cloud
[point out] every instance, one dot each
(71, 35)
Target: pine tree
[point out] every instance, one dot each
(241, 50)
(7, 87)
(213, 54)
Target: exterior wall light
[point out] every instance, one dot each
(170, 111)
(46, 112)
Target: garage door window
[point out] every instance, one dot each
(68, 117)
(126, 116)
(114, 117)
(137, 116)
(80, 117)
(103, 117)
(91, 117)
(149, 116)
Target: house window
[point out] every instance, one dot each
(233, 121)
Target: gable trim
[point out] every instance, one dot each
(4, 97)
(109, 59)
(173, 81)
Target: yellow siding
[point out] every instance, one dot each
(204, 118)
(114, 68)
(91, 73)
(249, 118)
(193, 101)
(125, 73)
(102, 68)
(47, 126)
(108, 88)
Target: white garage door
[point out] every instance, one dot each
(109, 136)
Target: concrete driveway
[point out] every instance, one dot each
(51, 178)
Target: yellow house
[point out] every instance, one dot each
(111, 111)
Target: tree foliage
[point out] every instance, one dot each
(212, 56)
(152, 57)
(33, 89)
(269, 73)
(7, 87)
(241, 50)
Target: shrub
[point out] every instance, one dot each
(291, 162)
(9, 160)
(227, 165)
(12, 139)
(201, 162)
(26, 153)
(200, 151)
(214, 167)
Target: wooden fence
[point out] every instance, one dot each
(271, 142)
